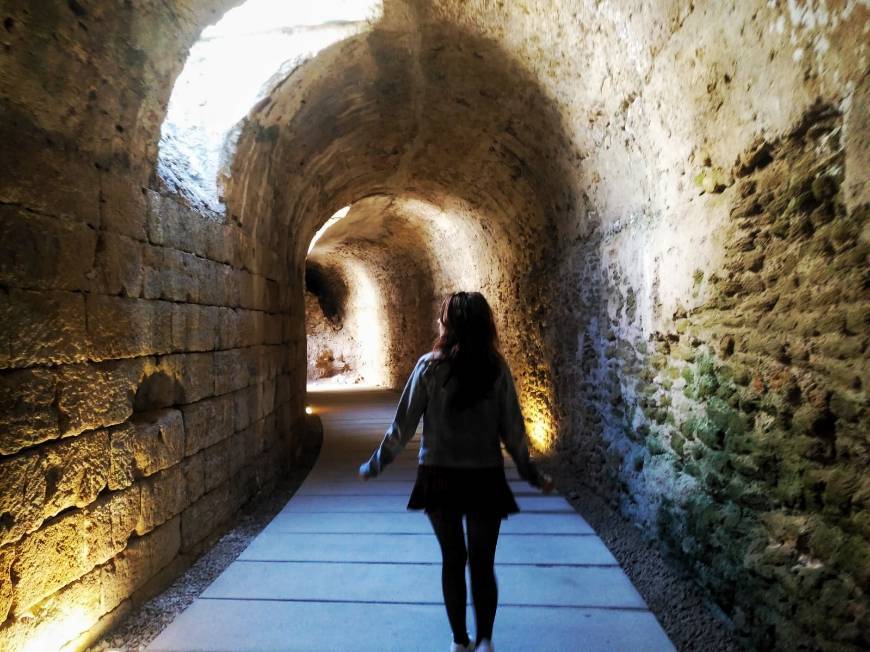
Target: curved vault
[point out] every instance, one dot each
(226, 72)
(451, 157)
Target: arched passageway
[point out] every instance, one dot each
(672, 235)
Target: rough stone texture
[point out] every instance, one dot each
(666, 203)
(207, 422)
(6, 558)
(153, 443)
(141, 626)
(120, 307)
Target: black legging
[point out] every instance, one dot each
(482, 540)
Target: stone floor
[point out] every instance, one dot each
(344, 566)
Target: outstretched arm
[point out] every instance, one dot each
(513, 433)
(411, 407)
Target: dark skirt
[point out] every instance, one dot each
(464, 490)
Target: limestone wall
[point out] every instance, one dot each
(146, 386)
(145, 395)
(736, 433)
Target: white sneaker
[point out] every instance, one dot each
(484, 646)
(456, 647)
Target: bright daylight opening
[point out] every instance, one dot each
(234, 64)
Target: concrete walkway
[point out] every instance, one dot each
(344, 566)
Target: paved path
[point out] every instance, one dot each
(344, 566)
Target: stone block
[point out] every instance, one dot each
(164, 544)
(265, 402)
(244, 404)
(171, 274)
(271, 433)
(207, 422)
(170, 224)
(76, 470)
(153, 442)
(60, 552)
(125, 573)
(230, 332)
(232, 370)
(125, 513)
(218, 463)
(218, 242)
(273, 329)
(247, 291)
(44, 177)
(259, 292)
(28, 412)
(91, 395)
(227, 278)
(6, 335)
(118, 266)
(152, 271)
(251, 327)
(23, 495)
(195, 327)
(7, 556)
(239, 455)
(193, 375)
(256, 435)
(193, 468)
(163, 496)
(205, 515)
(273, 292)
(282, 389)
(123, 206)
(44, 252)
(62, 617)
(122, 328)
(212, 289)
(242, 486)
(233, 237)
(44, 327)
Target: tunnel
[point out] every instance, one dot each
(665, 203)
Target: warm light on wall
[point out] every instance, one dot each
(539, 423)
(540, 435)
(58, 634)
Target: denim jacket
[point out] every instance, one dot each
(470, 438)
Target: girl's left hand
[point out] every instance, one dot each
(547, 484)
(363, 472)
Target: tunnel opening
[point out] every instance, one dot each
(233, 66)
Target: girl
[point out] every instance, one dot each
(467, 393)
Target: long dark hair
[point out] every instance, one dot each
(469, 344)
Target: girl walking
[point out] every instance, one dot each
(467, 394)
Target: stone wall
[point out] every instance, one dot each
(736, 432)
(145, 395)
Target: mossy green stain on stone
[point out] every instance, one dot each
(687, 375)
